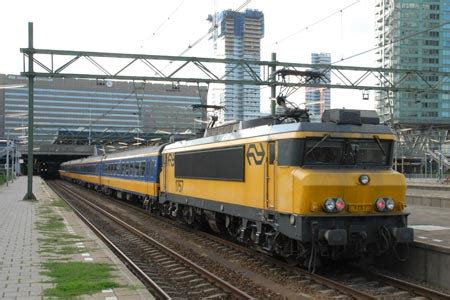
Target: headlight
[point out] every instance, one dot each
(329, 205)
(340, 204)
(390, 204)
(334, 205)
(380, 204)
(364, 179)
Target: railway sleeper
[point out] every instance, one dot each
(192, 281)
(263, 234)
(210, 290)
(179, 273)
(201, 285)
(186, 277)
(217, 296)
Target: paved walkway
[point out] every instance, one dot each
(23, 249)
(19, 247)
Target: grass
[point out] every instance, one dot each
(73, 279)
(58, 202)
(56, 240)
(3, 178)
(51, 223)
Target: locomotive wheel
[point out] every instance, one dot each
(188, 215)
(233, 225)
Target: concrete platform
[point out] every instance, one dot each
(429, 255)
(23, 249)
(429, 195)
(431, 225)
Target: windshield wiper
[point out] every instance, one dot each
(317, 144)
(377, 139)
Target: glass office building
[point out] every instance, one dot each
(411, 34)
(98, 106)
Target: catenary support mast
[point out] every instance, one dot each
(29, 195)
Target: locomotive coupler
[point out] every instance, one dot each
(334, 237)
(403, 234)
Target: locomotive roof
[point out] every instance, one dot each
(268, 130)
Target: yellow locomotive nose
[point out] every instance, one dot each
(315, 190)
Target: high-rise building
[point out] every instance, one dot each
(80, 105)
(238, 36)
(318, 99)
(411, 35)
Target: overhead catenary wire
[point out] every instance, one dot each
(160, 26)
(210, 30)
(391, 43)
(307, 27)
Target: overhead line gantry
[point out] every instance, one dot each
(189, 69)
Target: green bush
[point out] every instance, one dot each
(3, 177)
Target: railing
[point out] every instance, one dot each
(421, 176)
(2, 152)
(439, 158)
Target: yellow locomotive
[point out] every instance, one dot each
(299, 190)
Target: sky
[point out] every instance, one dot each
(168, 27)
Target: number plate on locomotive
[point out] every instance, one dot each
(359, 207)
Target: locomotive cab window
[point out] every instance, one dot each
(323, 151)
(327, 151)
(347, 152)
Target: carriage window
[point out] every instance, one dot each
(152, 167)
(136, 169)
(142, 168)
(133, 169)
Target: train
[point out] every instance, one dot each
(304, 191)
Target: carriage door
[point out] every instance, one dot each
(270, 178)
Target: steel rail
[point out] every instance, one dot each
(210, 276)
(411, 287)
(341, 287)
(148, 282)
(318, 278)
(251, 252)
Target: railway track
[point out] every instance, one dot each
(360, 284)
(351, 284)
(166, 273)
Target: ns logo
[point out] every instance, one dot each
(255, 154)
(170, 159)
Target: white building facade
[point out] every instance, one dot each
(238, 36)
(318, 99)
